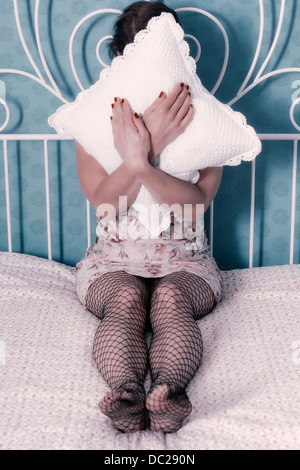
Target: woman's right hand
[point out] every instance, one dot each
(131, 137)
(167, 117)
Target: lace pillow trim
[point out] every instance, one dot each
(191, 66)
(128, 51)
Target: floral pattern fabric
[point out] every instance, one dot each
(122, 244)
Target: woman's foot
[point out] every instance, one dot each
(126, 409)
(168, 406)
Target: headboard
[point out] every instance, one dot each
(51, 50)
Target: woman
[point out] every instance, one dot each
(123, 280)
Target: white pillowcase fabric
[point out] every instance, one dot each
(157, 60)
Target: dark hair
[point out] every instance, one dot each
(133, 19)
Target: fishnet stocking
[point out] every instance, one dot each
(178, 300)
(120, 300)
(175, 301)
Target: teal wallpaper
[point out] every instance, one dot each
(267, 107)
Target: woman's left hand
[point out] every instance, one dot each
(131, 137)
(167, 117)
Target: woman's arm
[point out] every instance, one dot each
(169, 190)
(101, 188)
(133, 143)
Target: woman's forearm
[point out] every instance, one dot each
(120, 182)
(172, 191)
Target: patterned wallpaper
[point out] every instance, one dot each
(266, 106)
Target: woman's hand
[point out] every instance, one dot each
(167, 117)
(131, 138)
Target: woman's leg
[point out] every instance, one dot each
(178, 300)
(120, 300)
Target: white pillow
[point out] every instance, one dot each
(157, 60)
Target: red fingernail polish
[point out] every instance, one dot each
(122, 100)
(112, 105)
(187, 87)
(182, 85)
(116, 99)
(161, 95)
(191, 105)
(111, 118)
(136, 115)
(189, 93)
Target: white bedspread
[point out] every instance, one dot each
(246, 394)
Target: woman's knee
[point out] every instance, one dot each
(166, 291)
(116, 292)
(129, 295)
(185, 292)
(167, 301)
